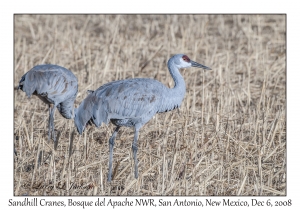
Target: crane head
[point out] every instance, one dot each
(183, 61)
(21, 83)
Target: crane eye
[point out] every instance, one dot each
(185, 58)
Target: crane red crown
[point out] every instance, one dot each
(185, 58)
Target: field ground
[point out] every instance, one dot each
(228, 137)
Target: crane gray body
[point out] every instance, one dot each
(54, 85)
(132, 103)
(126, 103)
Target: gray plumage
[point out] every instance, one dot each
(133, 102)
(54, 85)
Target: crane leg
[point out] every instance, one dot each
(111, 147)
(51, 122)
(134, 151)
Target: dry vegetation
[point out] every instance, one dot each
(228, 137)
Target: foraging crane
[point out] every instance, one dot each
(54, 85)
(132, 103)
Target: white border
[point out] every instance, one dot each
(153, 6)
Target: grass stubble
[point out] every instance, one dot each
(228, 137)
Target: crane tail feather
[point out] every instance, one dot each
(91, 108)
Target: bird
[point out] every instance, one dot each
(54, 85)
(132, 103)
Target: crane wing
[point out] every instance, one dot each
(133, 98)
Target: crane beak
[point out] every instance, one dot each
(195, 64)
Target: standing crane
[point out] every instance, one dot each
(54, 85)
(132, 103)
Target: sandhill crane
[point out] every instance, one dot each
(132, 103)
(54, 85)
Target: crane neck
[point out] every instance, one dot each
(179, 87)
(173, 97)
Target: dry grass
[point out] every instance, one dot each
(228, 138)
